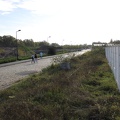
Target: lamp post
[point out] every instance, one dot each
(71, 46)
(17, 43)
(62, 46)
(48, 37)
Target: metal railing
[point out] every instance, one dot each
(113, 57)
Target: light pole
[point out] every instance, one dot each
(48, 37)
(17, 43)
(71, 46)
(62, 46)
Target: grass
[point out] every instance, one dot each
(87, 91)
(7, 60)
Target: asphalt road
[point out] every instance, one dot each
(13, 72)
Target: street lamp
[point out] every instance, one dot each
(17, 43)
(71, 46)
(48, 37)
(62, 46)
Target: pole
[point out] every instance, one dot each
(17, 43)
(62, 46)
(48, 37)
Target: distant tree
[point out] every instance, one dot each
(7, 41)
(51, 50)
(29, 42)
(36, 44)
(55, 45)
(111, 41)
(43, 43)
(21, 43)
(115, 41)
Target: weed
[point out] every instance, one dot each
(86, 92)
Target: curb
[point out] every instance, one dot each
(22, 61)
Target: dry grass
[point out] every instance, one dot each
(85, 92)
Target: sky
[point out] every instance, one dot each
(61, 21)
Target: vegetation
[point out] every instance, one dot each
(51, 50)
(9, 59)
(87, 91)
(27, 47)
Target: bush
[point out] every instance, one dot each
(87, 92)
(52, 50)
(6, 60)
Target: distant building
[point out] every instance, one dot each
(95, 44)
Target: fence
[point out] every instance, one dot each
(113, 57)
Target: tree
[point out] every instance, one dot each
(29, 42)
(51, 50)
(111, 41)
(7, 41)
(43, 43)
(55, 45)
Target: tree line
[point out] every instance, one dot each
(10, 41)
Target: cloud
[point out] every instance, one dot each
(46, 7)
(7, 6)
(41, 7)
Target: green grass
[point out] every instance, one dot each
(13, 59)
(87, 91)
(7, 60)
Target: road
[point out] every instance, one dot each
(13, 72)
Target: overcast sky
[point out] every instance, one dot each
(66, 21)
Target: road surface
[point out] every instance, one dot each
(13, 72)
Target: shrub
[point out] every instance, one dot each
(51, 50)
(87, 92)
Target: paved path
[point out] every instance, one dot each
(12, 72)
